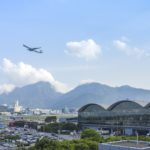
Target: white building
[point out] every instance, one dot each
(17, 108)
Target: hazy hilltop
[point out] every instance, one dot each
(43, 95)
(100, 94)
(37, 95)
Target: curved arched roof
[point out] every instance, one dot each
(125, 105)
(91, 107)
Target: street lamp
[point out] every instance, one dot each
(137, 137)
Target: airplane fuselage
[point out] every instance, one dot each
(36, 49)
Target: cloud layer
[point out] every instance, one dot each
(22, 74)
(84, 49)
(6, 88)
(129, 50)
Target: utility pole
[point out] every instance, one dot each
(137, 137)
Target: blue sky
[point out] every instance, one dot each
(119, 31)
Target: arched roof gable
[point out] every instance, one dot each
(86, 107)
(124, 104)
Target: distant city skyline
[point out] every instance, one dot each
(83, 41)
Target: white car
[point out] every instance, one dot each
(148, 134)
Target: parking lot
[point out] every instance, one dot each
(26, 137)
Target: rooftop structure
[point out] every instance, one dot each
(125, 106)
(125, 145)
(124, 114)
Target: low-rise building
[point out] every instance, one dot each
(125, 145)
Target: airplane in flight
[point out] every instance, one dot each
(34, 49)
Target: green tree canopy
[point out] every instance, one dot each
(69, 126)
(50, 119)
(81, 146)
(89, 133)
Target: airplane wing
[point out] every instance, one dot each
(26, 46)
(38, 51)
(36, 48)
(33, 49)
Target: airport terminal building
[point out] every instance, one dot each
(126, 117)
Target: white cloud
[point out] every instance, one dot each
(87, 81)
(88, 49)
(22, 74)
(120, 44)
(6, 88)
(126, 48)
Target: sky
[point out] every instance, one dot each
(83, 41)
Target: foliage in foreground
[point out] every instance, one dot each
(89, 141)
(82, 144)
(46, 144)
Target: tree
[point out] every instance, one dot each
(43, 143)
(92, 145)
(81, 146)
(50, 119)
(54, 145)
(69, 126)
(89, 133)
(51, 127)
(66, 145)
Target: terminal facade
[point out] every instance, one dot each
(124, 117)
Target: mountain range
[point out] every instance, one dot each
(38, 95)
(43, 95)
